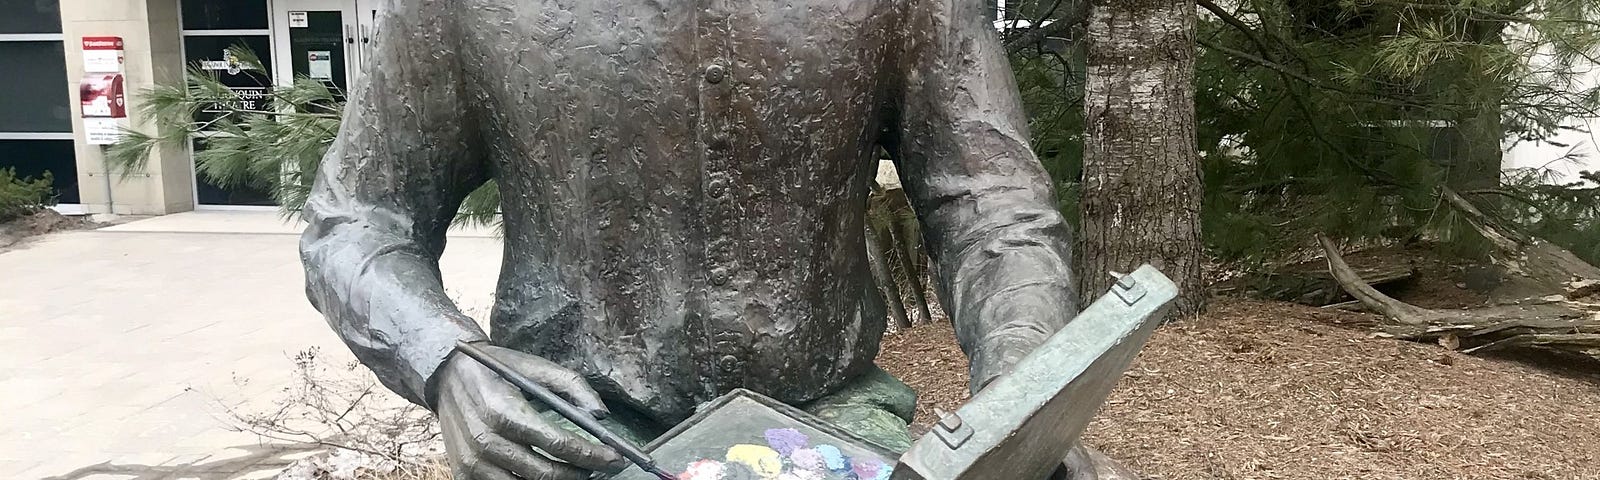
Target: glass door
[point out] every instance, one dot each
(367, 13)
(318, 40)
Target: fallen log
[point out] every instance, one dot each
(1555, 323)
(1534, 267)
(1300, 284)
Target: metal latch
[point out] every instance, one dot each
(951, 429)
(1127, 289)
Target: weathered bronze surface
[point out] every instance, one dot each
(683, 188)
(1025, 422)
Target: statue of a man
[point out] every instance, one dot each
(683, 184)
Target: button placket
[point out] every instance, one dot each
(730, 347)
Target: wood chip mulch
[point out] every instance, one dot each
(1266, 390)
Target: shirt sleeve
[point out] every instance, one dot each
(383, 198)
(1001, 249)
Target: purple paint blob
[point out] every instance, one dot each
(785, 440)
(866, 468)
(808, 459)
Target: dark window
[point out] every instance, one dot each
(32, 158)
(30, 16)
(33, 90)
(209, 193)
(252, 86)
(224, 14)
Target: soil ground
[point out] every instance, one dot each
(39, 223)
(1270, 390)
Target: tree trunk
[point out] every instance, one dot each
(1141, 170)
(908, 239)
(883, 277)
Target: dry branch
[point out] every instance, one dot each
(1555, 323)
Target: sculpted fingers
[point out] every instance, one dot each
(525, 426)
(458, 448)
(557, 378)
(525, 462)
(492, 454)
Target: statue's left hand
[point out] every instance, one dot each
(488, 426)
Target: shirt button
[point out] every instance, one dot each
(729, 363)
(720, 276)
(716, 73)
(719, 141)
(717, 187)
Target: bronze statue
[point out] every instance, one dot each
(683, 185)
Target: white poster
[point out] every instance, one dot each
(298, 20)
(102, 61)
(102, 131)
(321, 64)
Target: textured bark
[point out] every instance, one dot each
(1141, 173)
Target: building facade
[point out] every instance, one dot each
(42, 49)
(42, 67)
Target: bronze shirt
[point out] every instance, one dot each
(684, 185)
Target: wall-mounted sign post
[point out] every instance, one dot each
(101, 96)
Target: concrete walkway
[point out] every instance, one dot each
(120, 347)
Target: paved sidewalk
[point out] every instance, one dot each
(118, 345)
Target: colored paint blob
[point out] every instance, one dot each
(702, 470)
(832, 457)
(762, 460)
(786, 440)
(867, 469)
(808, 459)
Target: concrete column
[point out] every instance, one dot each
(154, 50)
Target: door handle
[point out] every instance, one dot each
(363, 30)
(348, 38)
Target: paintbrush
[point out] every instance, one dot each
(578, 417)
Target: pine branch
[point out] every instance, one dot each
(1480, 12)
(1077, 15)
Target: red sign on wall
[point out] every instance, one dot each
(102, 54)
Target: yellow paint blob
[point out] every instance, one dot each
(761, 459)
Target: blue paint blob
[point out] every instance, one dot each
(833, 458)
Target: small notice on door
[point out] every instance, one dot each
(298, 20)
(321, 64)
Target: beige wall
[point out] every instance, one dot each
(150, 33)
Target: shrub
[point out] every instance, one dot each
(23, 196)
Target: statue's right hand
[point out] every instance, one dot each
(488, 426)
